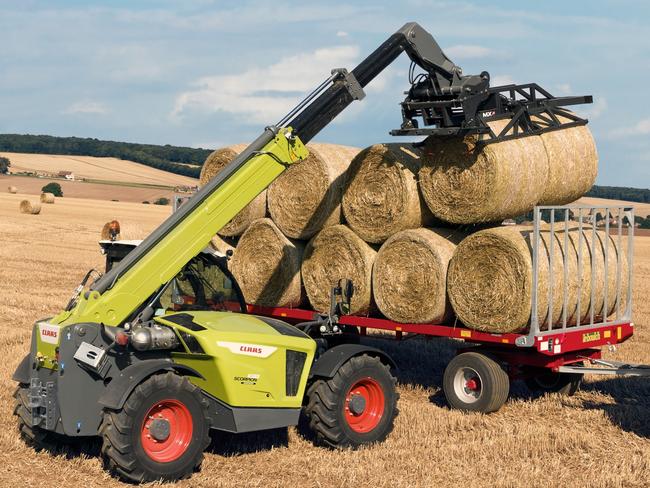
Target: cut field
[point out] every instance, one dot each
(29, 186)
(640, 209)
(599, 438)
(109, 169)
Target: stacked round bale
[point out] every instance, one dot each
(391, 218)
(256, 209)
(490, 278)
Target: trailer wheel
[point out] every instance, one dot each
(37, 438)
(549, 382)
(159, 434)
(475, 382)
(355, 407)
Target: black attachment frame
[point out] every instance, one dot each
(531, 109)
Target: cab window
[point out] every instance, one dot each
(202, 285)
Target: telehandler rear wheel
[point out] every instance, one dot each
(159, 434)
(357, 406)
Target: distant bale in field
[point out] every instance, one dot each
(254, 210)
(335, 253)
(409, 277)
(12, 189)
(307, 196)
(27, 207)
(490, 282)
(223, 244)
(466, 183)
(266, 265)
(382, 196)
(47, 198)
(573, 164)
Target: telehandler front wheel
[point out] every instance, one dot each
(357, 406)
(159, 434)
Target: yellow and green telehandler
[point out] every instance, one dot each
(159, 349)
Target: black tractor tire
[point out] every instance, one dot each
(128, 449)
(357, 406)
(475, 382)
(544, 381)
(35, 437)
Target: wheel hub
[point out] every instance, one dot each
(166, 431)
(364, 405)
(159, 429)
(357, 404)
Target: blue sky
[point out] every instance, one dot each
(209, 73)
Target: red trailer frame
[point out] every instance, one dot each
(551, 351)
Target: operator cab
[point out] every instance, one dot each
(205, 283)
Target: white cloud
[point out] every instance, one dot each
(86, 107)
(563, 89)
(641, 128)
(342, 34)
(262, 95)
(466, 51)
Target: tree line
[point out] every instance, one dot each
(168, 158)
(641, 195)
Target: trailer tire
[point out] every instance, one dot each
(136, 449)
(475, 382)
(357, 406)
(35, 437)
(549, 382)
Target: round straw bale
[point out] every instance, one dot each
(223, 244)
(463, 183)
(12, 189)
(111, 231)
(267, 266)
(409, 277)
(336, 253)
(307, 196)
(573, 164)
(28, 207)
(47, 198)
(256, 209)
(490, 278)
(382, 196)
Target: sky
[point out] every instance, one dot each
(205, 73)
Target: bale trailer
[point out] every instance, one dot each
(550, 357)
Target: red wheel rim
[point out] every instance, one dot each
(179, 419)
(370, 394)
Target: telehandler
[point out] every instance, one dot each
(159, 349)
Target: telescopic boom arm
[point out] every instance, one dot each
(442, 97)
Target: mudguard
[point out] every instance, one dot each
(121, 387)
(22, 374)
(331, 360)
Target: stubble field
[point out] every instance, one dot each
(598, 438)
